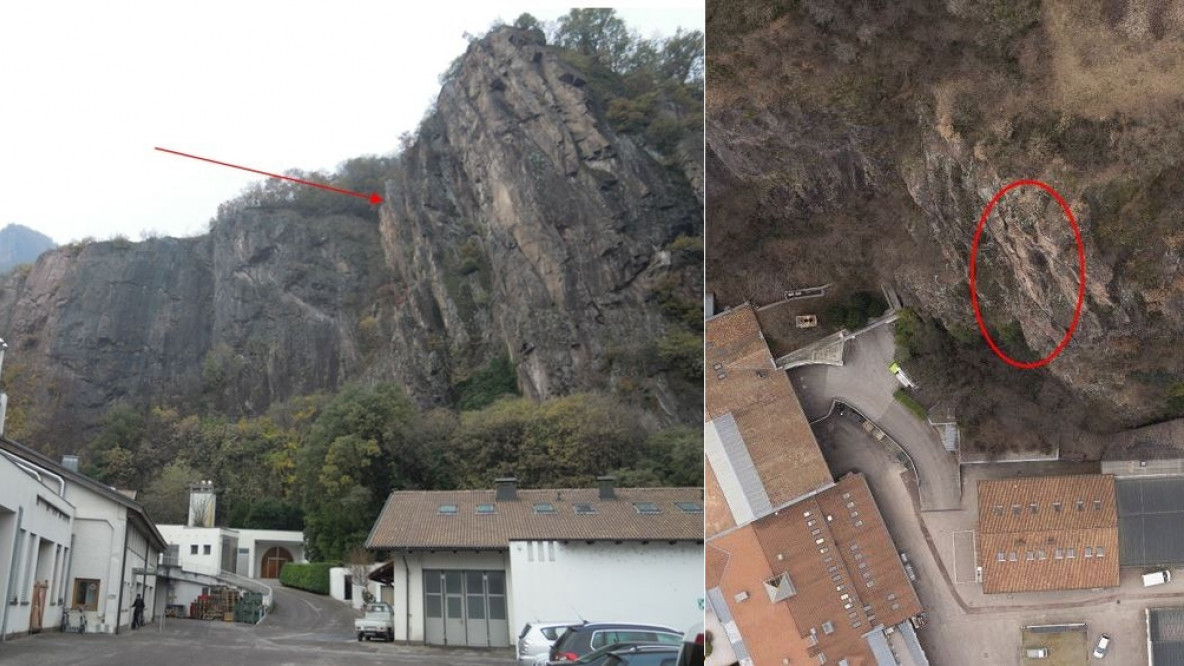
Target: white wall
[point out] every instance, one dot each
(257, 542)
(100, 526)
(654, 582)
(418, 561)
(187, 538)
(35, 529)
(183, 593)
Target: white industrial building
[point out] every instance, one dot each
(114, 552)
(201, 556)
(472, 567)
(36, 524)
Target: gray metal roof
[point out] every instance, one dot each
(1166, 626)
(741, 465)
(878, 642)
(1151, 521)
(715, 599)
(913, 643)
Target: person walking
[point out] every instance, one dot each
(138, 612)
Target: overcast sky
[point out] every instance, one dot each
(87, 89)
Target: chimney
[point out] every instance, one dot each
(70, 463)
(202, 503)
(606, 487)
(507, 489)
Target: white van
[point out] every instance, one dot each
(1037, 653)
(1157, 578)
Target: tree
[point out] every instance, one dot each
(166, 498)
(682, 57)
(526, 21)
(598, 33)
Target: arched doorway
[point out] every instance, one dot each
(274, 560)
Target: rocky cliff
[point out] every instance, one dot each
(889, 130)
(518, 223)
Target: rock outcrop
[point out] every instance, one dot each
(517, 223)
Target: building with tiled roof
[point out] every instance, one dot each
(761, 453)
(799, 569)
(1048, 533)
(471, 567)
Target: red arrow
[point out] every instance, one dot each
(372, 197)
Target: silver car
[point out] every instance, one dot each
(536, 640)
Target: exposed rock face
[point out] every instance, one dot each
(517, 223)
(892, 130)
(550, 219)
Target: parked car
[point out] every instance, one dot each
(581, 639)
(536, 640)
(691, 652)
(1037, 653)
(627, 654)
(1102, 647)
(908, 567)
(1157, 578)
(378, 622)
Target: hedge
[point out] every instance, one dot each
(313, 577)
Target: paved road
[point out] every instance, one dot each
(865, 383)
(304, 629)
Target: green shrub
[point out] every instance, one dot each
(911, 404)
(313, 577)
(495, 380)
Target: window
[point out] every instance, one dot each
(1071, 554)
(828, 628)
(193, 549)
(584, 509)
(1030, 556)
(859, 523)
(205, 550)
(1097, 505)
(447, 510)
(86, 593)
(1040, 555)
(1001, 556)
(998, 508)
(1056, 506)
(850, 505)
(1033, 506)
(1089, 551)
(1100, 552)
(1059, 554)
(1080, 505)
(647, 508)
(486, 509)
(1011, 557)
(1015, 509)
(544, 508)
(689, 507)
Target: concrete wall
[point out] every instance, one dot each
(653, 582)
(35, 534)
(410, 592)
(200, 539)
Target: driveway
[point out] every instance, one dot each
(863, 382)
(305, 628)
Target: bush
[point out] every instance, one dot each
(313, 577)
(495, 380)
(911, 403)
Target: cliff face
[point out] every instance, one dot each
(893, 130)
(520, 223)
(517, 223)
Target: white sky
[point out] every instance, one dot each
(87, 89)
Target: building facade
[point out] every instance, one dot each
(472, 567)
(115, 546)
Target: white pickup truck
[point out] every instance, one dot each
(378, 622)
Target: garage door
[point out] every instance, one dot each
(465, 607)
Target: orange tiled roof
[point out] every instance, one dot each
(1034, 533)
(742, 380)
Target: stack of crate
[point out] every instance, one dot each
(249, 608)
(227, 599)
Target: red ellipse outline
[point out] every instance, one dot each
(982, 222)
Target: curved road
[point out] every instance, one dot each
(863, 381)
